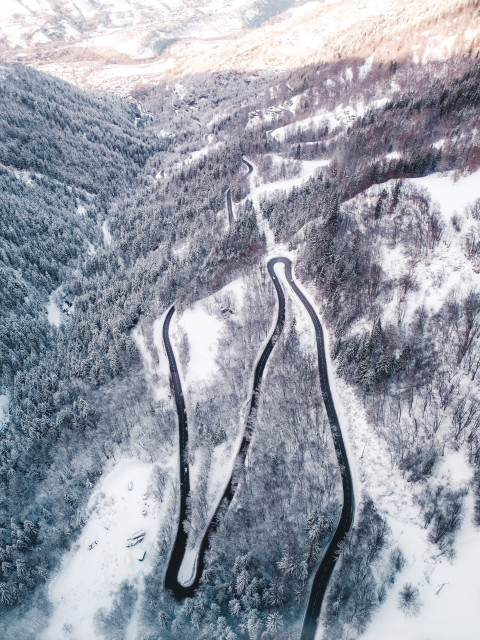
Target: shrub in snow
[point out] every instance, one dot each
(409, 599)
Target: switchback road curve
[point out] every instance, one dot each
(324, 571)
(171, 577)
(249, 166)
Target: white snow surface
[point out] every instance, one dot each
(88, 579)
(107, 236)
(393, 155)
(157, 370)
(4, 415)
(448, 611)
(447, 268)
(365, 68)
(203, 330)
(450, 194)
(332, 119)
(54, 314)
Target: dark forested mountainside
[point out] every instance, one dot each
(85, 140)
(43, 235)
(53, 377)
(77, 398)
(64, 153)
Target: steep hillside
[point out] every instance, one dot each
(64, 155)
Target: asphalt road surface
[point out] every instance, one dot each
(249, 166)
(228, 197)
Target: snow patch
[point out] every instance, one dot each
(365, 68)
(107, 236)
(393, 155)
(88, 578)
(450, 194)
(439, 144)
(157, 371)
(203, 330)
(456, 468)
(54, 314)
(330, 119)
(449, 591)
(4, 412)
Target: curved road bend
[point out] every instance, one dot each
(249, 166)
(181, 539)
(171, 577)
(324, 571)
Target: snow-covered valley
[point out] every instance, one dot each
(119, 46)
(239, 320)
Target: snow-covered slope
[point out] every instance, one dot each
(447, 583)
(99, 562)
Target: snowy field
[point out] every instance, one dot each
(444, 610)
(448, 268)
(89, 577)
(204, 326)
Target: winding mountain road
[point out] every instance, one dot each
(325, 569)
(249, 166)
(228, 198)
(180, 545)
(179, 590)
